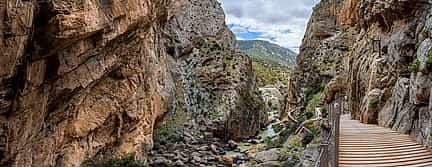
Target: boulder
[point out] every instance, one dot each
(232, 145)
(268, 155)
(226, 160)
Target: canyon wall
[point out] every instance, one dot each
(380, 58)
(88, 79)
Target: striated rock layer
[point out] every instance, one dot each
(385, 62)
(88, 79)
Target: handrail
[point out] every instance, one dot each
(302, 125)
(290, 114)
(334, 120)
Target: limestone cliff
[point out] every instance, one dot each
(380, 57)
(87, 79)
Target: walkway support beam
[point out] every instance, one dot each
(324, 157)
(337, 132)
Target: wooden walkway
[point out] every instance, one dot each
(364, 145)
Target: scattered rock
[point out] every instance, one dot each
(226, 160)
(268, 155)
(162, 162)
(179, 163)
(232, 144)
(214, 149)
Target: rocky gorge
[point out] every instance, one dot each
(164, 83)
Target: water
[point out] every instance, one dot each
(270, 131)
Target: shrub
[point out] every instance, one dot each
(127, 160)
(305, 116)
(324, 112)
(268, 74)
(296, 142)
(279, 141)
(425, 32)
(314, 88)
(314, 128)
(307, 138)
(314, 102)
(414, 66)
(373, 103)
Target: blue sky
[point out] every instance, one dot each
(279, 21)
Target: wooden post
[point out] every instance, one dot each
(331, 114)
(337, 126)
(324, 157)
(376, 46)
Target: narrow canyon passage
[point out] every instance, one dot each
(372, 146)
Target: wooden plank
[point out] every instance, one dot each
(372, 146)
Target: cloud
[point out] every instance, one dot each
(279, 21)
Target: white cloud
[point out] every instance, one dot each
(280, 21)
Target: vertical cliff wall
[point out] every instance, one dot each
(85, 79)
(380, 57)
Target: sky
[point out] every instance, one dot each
(279, 21)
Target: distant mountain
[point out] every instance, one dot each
(268, 53)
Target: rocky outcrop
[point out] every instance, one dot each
(220, 88)
(84, 80)
(80, 80)
(387, 59)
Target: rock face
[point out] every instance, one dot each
(86, 79)
(220, 87)
(386, 61)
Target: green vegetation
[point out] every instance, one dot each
(271, 62)
(305, 116)
(314, 128)
(307, 139)
(280, 140)
(314, 102)
(414, 66)
(425, 32)
(417, 45)
(263, 51)
(324, 112)
(315, 87)
(292, 163)
(268, 74)
(127, 160)
(373, 103)
(167, 131)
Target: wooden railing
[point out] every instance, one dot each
(330, 146)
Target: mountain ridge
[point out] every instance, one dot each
(267, 52)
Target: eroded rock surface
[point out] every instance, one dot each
(88, 80)
(387, 59)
